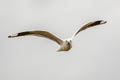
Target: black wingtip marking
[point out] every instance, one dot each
(9, 36)
(23, 33)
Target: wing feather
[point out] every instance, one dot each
(90, 24)
(44, 34)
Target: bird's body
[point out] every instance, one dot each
(65, 45)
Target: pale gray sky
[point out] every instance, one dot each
(95, 54)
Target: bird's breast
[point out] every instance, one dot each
(66, 47)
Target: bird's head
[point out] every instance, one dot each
(68, 41)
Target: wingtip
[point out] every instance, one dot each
(103, 22)
(12, 36)
(9, 36)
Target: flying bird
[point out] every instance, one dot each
(66, 44)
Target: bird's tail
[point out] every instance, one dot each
(20, 34)
(60, 49)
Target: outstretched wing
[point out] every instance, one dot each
(44, 34)
(90, 24)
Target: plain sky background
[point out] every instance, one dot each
(95, 54)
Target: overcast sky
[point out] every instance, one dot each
(95, 54)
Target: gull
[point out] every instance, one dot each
(65, 44)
